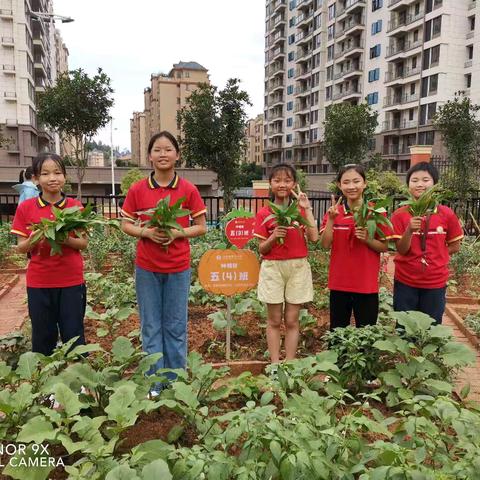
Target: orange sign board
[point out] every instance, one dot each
(227, 272)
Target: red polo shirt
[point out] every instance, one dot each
(444, 228)
(295, 245)
(45, 270)
(354, 266)
(144, 195)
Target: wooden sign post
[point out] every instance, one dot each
(228, 272)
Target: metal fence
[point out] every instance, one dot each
(110, 207)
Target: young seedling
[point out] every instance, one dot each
(164, 216)
(372, 213)
(425, 204)
(67, 220)
(286, 216)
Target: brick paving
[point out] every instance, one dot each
(13, 307)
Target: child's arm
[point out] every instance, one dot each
(77, 243)
(266, 245)
(372, 243)
(128, 226)
(326, 238)
(304, 202)
(198, 228)
(454, 247)
(403, 245)
(24, 245)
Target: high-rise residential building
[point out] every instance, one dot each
(404, 58)
(166, 95)
(28, 64)
(254, 141)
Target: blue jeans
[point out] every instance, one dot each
(427, 300)
(163, 304)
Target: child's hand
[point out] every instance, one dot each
(279, 232)
(333, 210)
(155, 235)
(361, 233)
(415, 224)
(302, 198)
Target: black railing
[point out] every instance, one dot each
(110, 207)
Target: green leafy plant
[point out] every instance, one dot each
(286, 216)
(425, 204)
(372, 213)
(164, 216)
(111, 319)
(66, 221)
(472, 321)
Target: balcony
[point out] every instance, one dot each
(302, 91)
(354, 5)
(395, 49)
(276, 54)
(301, 106)
(10, 96)
(277, 38)
(399, 4)
(302, 73)
(277, 22)
(274, 145)
(8, 69)
(276, 115)
(351, 50)
(304, 4)
(470, 34)
(395, 149)
(303, 54)
(7, 41)
(38, 65)
(400, 100)
(5, 13)
(403, 21)
(279, 6)
(276, 70)
(350, 71)
(275, 101)
(401, 74)
(399, 125)
(304, 37)
(274, 86)
(304, 19)
(275, 132)
(340, 12)
(350, 92)
(299, 125)
(354, 26)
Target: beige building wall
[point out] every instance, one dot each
(27, 66)
(96, 158)
(405, 58)
(167, 94)
(254, 141)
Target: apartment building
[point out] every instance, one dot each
(29, 50)
(254, 140)
(96, 158)
(405, 58)
(166, 95)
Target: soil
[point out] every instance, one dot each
(5, 279)
(210, 343)
(466, 287)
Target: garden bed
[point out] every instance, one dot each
(210, 343)
(458, 313)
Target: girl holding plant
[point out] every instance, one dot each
(157, 210)
(55, 285)
(285, 281)
(426, 235)
(355, 253)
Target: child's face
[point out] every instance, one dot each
(352, 185)
(420, 182)
(282, 183)
(51, 178)
(163, 154)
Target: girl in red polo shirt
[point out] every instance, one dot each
(55, 285)
(162, 276)
(285, 276)
(355, 258)
(424, 246)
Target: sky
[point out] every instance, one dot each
(131, 40)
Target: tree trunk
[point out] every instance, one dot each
(227, 200)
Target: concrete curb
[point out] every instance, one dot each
(9, 285)
(472, 338)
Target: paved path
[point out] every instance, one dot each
(13, 307)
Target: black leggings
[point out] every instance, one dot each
(364, 306)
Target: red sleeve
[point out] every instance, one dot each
(195, 203)
(324, 222)
(260, 230)
(398, 222)
(20, 225)
(129, 207)
(454, 228)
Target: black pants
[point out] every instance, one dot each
(427, 300)
(364, 306)
(56, 309)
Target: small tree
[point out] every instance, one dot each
(77, 107)
(132, 176)
(458, 122)
(213, 132)
(248, 173)
(348, 132)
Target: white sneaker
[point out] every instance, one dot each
(55, 404)
(153, 394)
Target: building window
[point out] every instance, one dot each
(289, 106)
(375, 51)
(427, 112)
(374, 75)
(290, 90)
(291, 72)
(292, 21)
(468, 80)
(431, 4)
(292, 4)
(291, 39)
(372, 98)
(376, 4)
(331, 12)
(328, 93)
(426, 138)
(291, 56)
(330, 53)
(289, 138)
(376, 27)
(331, 32)
(330, 73)
(289, 121)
